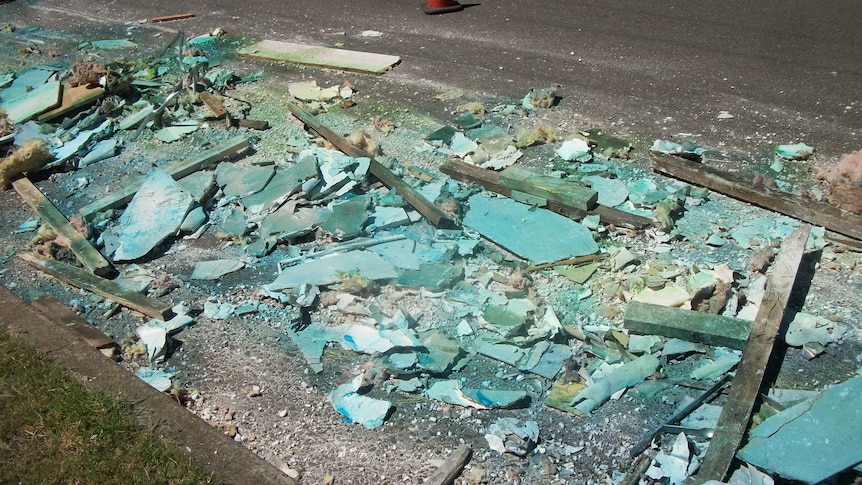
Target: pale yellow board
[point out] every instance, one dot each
(356, 61)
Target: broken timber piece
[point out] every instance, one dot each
(320, 56)
(78, 277)
(87, 254)
(216, 107)
(492, 181)
(73, 98)
(810, 211)
(121, 197)
(259, 125)
(550, 188)
(168, 18)
(690, 325)
(433, 213)
(451, 467)
(566, 262)
(736, 414)
(62, 315)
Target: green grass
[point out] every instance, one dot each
(54, 430)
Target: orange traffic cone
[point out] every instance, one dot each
(441, 6)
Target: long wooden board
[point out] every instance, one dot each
(87, 281)
(412, 196)
(736, 414)
(320, 56)
(87, 254)
(810, 211)
(121, 197)
(73, 98)
(62, 315)
(491, 180)
(451, 467)
(717, 330)
(550, 188)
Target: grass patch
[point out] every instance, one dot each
(54, 430)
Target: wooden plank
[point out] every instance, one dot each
(74, 98)
(490, 180)
(320, 56)
(716, 330)
(554, 189)
(736, 414)
(412, 196)
(810, 211)
(451, 467)
(216, 106)
(87, 281)
(62, 315)
(121, 197)
(39, 100)
(87, 254)
(168, 18)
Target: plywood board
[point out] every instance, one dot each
(73, 98)
(313, 55)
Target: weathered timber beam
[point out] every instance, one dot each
(492, 181)
(736, 413)
(716, 330)
(227, 150)
(451, 467)
(551, 188)
(62, 315)
(82, 279)
(87, 254)
(810, 211)
(412, 196)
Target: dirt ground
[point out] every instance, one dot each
(245, 374)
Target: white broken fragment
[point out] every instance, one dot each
(504, 159)
(310, 91)
(714, 369)
(155, 339)
(358, 408)
(619, 378)
(745, 476)
(450, 392)
(370, 340)
(213, 270)
(154, 214)
(676, 465)
(156, 378)
(671, 296)
(677, 346)
(806, 328)
(644, 344)
(218, 311)
(575, 150)
(508, 435)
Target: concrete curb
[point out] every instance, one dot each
(226, 459)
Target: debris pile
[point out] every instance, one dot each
(575, 288)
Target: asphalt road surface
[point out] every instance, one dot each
(787, 71)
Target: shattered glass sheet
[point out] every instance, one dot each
(538, 235)
(812, 440)
(329, 270)
(154, 214)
